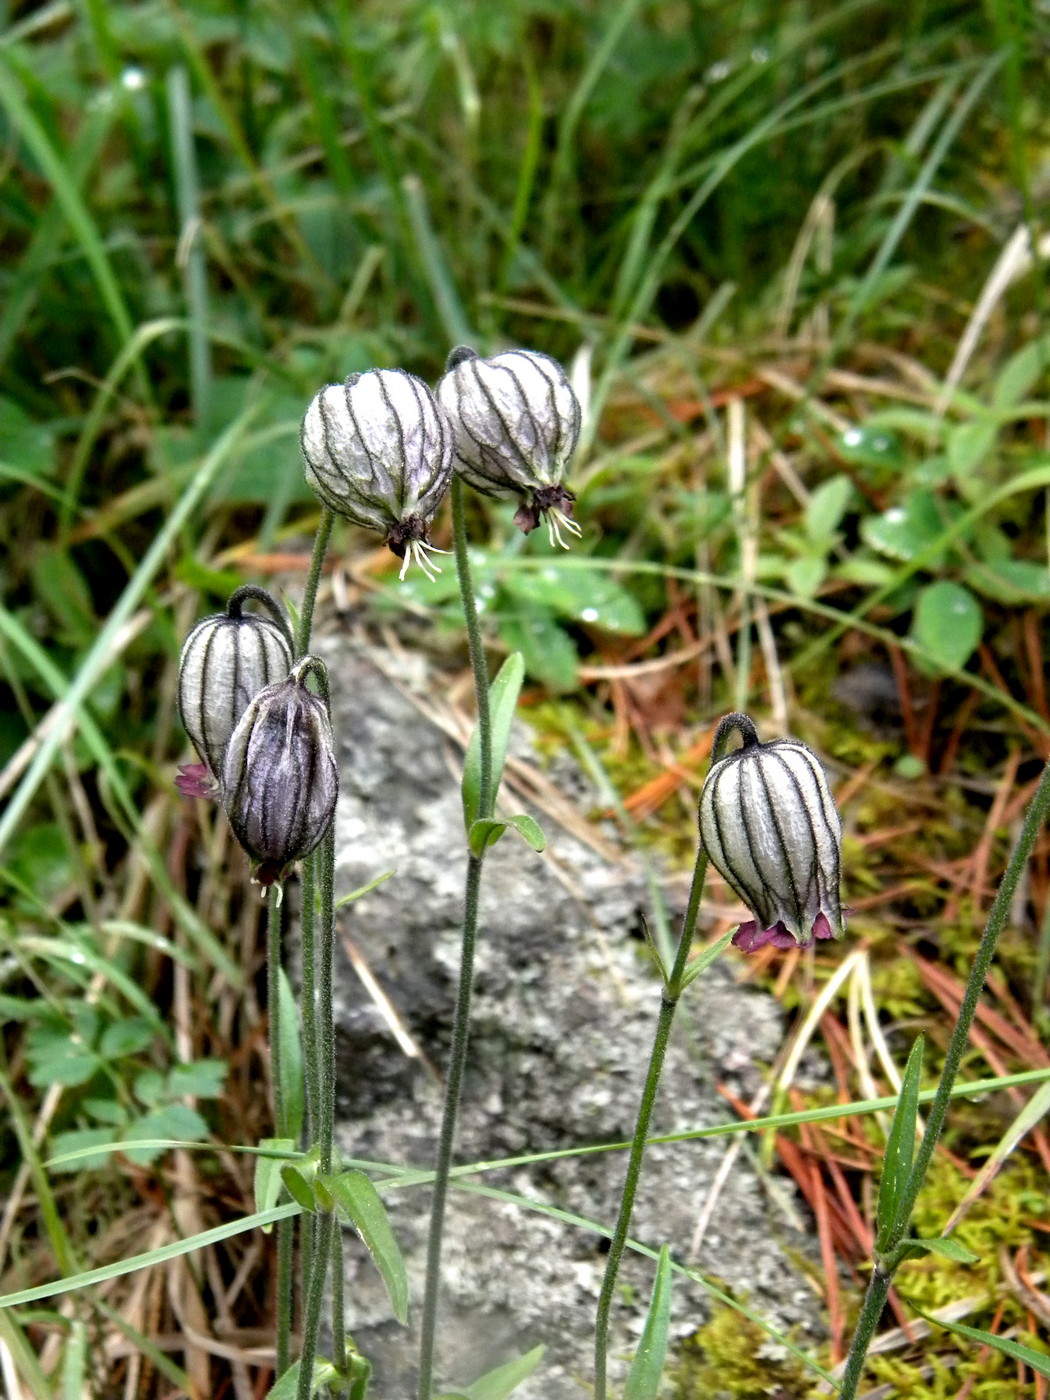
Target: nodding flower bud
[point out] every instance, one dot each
(769, 825)
(226, 660)
(517, 423)
(378, 450)
(279, 775)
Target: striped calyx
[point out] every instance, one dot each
(280, 780)
(226, 660)
(517, 423)
(378, 450)
(769, 826)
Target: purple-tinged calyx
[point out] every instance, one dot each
(769, 826)
(517, 423)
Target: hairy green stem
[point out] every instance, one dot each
(274, 926)
(672, 993)
(475, 648)
(886, 1265)
(308, 994)
(285, 1292)
(321, 1255)
(338, 1319)
(461, 1021)
(325, 1019)
(313, 579)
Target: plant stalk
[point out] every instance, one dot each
(321, 1256)
(673, 988)
(886, 1265)
(313, 579)
(461, 1021)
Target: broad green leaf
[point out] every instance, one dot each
(354, 1193)
(704, 960)
(969, 444)
(549, 652)
(643, 1380)
(581, 595)
(804, 576)
(871, 447)
(943, 1246)
(25, 446)
(75, 1140)
(503, 697)
(292, 1076)
(1039, 1361)
(900, 1147)
(905, 530)
(947, 623)
(1011, 581)
(504, 1380)
(826, 507)
(268, 1175)
(172, 1120)
(287, 1388)
(1022, 371)
(125, 1038)
(201, 1078)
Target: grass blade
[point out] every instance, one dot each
(900, 1147)
(643, 1380)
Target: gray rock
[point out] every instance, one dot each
(565, 1008)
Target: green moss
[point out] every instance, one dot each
(731, 1358)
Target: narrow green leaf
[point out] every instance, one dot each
(503, 697)
(299, 1188)
(704, 960)
(643, 1380)
(74, 1362)
(485, 832)
(355, 1194)
(529, 830)
(288, 1386)
(943, 1246)
(144, 1261)
(1039, 1361)
(900, 1146)
(292, 1077)
(364, 889)
(504, 1380)
(268, 1175)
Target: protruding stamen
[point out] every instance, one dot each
(418, 552)
(557, 520)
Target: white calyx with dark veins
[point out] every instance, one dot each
(517, 423)
(377, 449)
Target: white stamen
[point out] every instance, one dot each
(557, 520)
(418, 552)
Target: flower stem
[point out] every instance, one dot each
(308, 994)
(326, 1020)
(338, 1320)
(886, 1265)
(461, 1021)
(321, 1256)
(672, 992)
(285, 1293)
(313, 579)
(274, 923)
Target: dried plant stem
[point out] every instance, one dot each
(887, 1263)
(674, 985)
(461, 1022)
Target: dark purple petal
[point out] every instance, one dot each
(749, 937)
(197, 780)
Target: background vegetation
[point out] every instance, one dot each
(798, 249)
